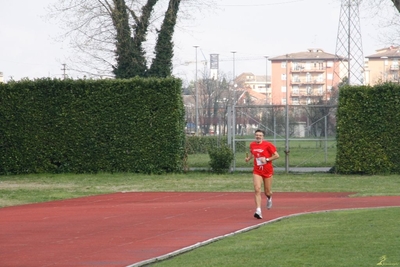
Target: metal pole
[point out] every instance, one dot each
(234, 113)
(266, 90)
(266, 79)
(326, 138)
(349, 38)
(197, 96)
(287, 120)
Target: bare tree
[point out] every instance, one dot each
(92, 28)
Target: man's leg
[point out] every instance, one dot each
(257, 180)
(268, 186)
(268, 191)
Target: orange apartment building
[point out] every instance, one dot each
(383, 66)
(308, 76)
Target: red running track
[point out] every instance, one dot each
(130, 229)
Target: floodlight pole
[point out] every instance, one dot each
(196, 96)
(287, 120)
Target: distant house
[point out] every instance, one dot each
(256, 82)
(249, 96)
(383, 66)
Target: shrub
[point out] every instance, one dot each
(221, 158)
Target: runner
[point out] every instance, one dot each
(263, 153)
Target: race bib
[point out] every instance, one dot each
(259, 162)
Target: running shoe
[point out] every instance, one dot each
(257, 215)
(269, 203)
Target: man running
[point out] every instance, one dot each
(263, 153)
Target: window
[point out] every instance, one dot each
(320, 90)
(309, 90)
(330, 76)
(283, 77)
(283, 88)
(395, 65)
(295, 90)
(283, 101)
(283, 64)
(329, 64)
(308, 77)
(295, 100)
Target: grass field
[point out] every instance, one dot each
(22, 189)
(345, 238)
(303, 153)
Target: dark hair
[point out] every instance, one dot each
(260, 131)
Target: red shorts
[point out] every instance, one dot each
(265, 172)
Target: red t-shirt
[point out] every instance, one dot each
(264, 149)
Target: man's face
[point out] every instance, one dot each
(259, 137)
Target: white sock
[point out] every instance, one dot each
(258, 210)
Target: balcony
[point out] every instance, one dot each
(311, 81)
(394, 67)
(295, 93)
(298, 69)
(296, 81)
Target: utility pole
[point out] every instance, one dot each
(266, 79)
(197, 95)
(287, 149)
(64, 69)
(349, 45)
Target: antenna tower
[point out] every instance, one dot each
(349, 52)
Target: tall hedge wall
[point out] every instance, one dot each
(81, 126)
(368, 127)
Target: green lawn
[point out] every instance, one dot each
(302, 154)
(21, 189)
(345, 238)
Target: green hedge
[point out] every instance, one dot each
(368, 128)
(134, 125)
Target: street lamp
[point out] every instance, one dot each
(197, 96)
(234, 94)
(233, 55)
(266, 78)
(287, 120)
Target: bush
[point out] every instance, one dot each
(90, 126)
(367, 129)
(221, 158)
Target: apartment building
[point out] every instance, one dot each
(304, 77)
(383, 66)
(1, 77)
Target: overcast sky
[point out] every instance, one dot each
(252, 28)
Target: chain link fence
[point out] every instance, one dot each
(310, 141)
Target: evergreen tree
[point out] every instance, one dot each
(124, 44)
(161, 65)
(130, 54)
